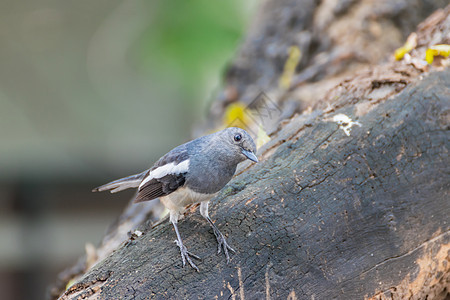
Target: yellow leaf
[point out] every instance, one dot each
(236, 116)
(411, 43)
(289, 67)
(400, 52)
(437, 50)
(262, 137)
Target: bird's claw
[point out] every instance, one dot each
(186, 256)
(222, 244)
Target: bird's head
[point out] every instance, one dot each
(241, 143)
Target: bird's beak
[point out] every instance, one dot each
(250, 155)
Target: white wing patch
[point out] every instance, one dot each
(167, 169)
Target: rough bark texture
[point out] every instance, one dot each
(323, 215)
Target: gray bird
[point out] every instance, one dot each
(192, 173)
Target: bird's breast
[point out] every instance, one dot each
(183, 197)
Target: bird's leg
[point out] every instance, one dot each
(185, 254)
(222, 242)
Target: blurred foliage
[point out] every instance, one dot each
(109, 85)
(91, 91)
(193, 39)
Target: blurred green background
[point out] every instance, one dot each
(91, 91)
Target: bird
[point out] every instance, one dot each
(192, 173)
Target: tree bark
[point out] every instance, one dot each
(324, 214)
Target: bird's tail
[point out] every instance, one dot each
(118, 185)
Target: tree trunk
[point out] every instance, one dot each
(327, 213)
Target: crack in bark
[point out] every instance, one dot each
(422, 245)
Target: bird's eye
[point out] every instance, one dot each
(238, 137)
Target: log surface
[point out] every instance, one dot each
(323, 215)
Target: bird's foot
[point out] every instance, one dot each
(222, 244)
(186, 255)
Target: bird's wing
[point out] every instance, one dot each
(159, 187)
(166, 176)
